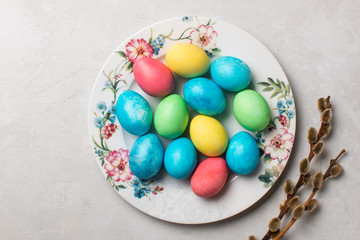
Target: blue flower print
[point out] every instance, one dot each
(289, 102)
(112, 108)
(280, 104)
(101, 106)
(99, 152)
(99, 122)
(155, 46)
(187, 19)
(107, 83)
(161, 40)
(139, 192)
(290, 114)
(281, 111)
(135, 183)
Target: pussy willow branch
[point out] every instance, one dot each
(300, 181)
(306, 204)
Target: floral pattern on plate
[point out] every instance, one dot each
(116, 162)
(276, 142)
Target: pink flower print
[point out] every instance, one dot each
(204, 37)
(138, 48)
(117, 165)
(279, 145)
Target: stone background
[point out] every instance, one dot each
(51, 52)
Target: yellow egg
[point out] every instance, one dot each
(208, 135)
(187, 60)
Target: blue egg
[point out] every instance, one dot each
(133, 113)
(180, 158)
(230, 73)
(146, 156)
(204, 96)
(242, 155)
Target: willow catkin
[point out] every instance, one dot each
(289, 187)
(251, 237)
(304, 166)
(307, 178)
(282, 204)
(298, 211)
(312, 135)
(318, 180)
(274, 224)
(335, 171)
(321, 104)
(318, 148)
(326, 115)
(312, 205)
(293, 202)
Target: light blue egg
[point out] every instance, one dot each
(230, 73)
(133, 113)
(242, 155)
(180, 158)
(146, 156)
(204, 96)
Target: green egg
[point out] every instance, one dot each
(171, 116)
(251, 110)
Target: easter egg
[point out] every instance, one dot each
(187, 60)
(230, 73)
(204, 96)
(133, 113)
(180, 158)
(208, 135)
(153, 77)
(209, 177)
(171, 116)
(146, 156)
(251, 110)
(242, 155)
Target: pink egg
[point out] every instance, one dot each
(209, 177)
(153, 77)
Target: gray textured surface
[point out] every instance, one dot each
(51, 52)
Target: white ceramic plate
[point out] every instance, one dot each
(164, 197)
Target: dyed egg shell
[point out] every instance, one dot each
(230, 73)
(153, 77)
(204, 96)
(180, 158)
(146, 156)
(242, 155)
(209, 177)
(171, 116)
(251, 110)
(208, 135)
(187, 60)
(133, 113)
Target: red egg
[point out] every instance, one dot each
(209, 177)
(153, 77)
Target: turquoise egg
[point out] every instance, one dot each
(204, 96)
(242, 155)
(180, 158)
(146, 156)
(230, 73)
(133, 113)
